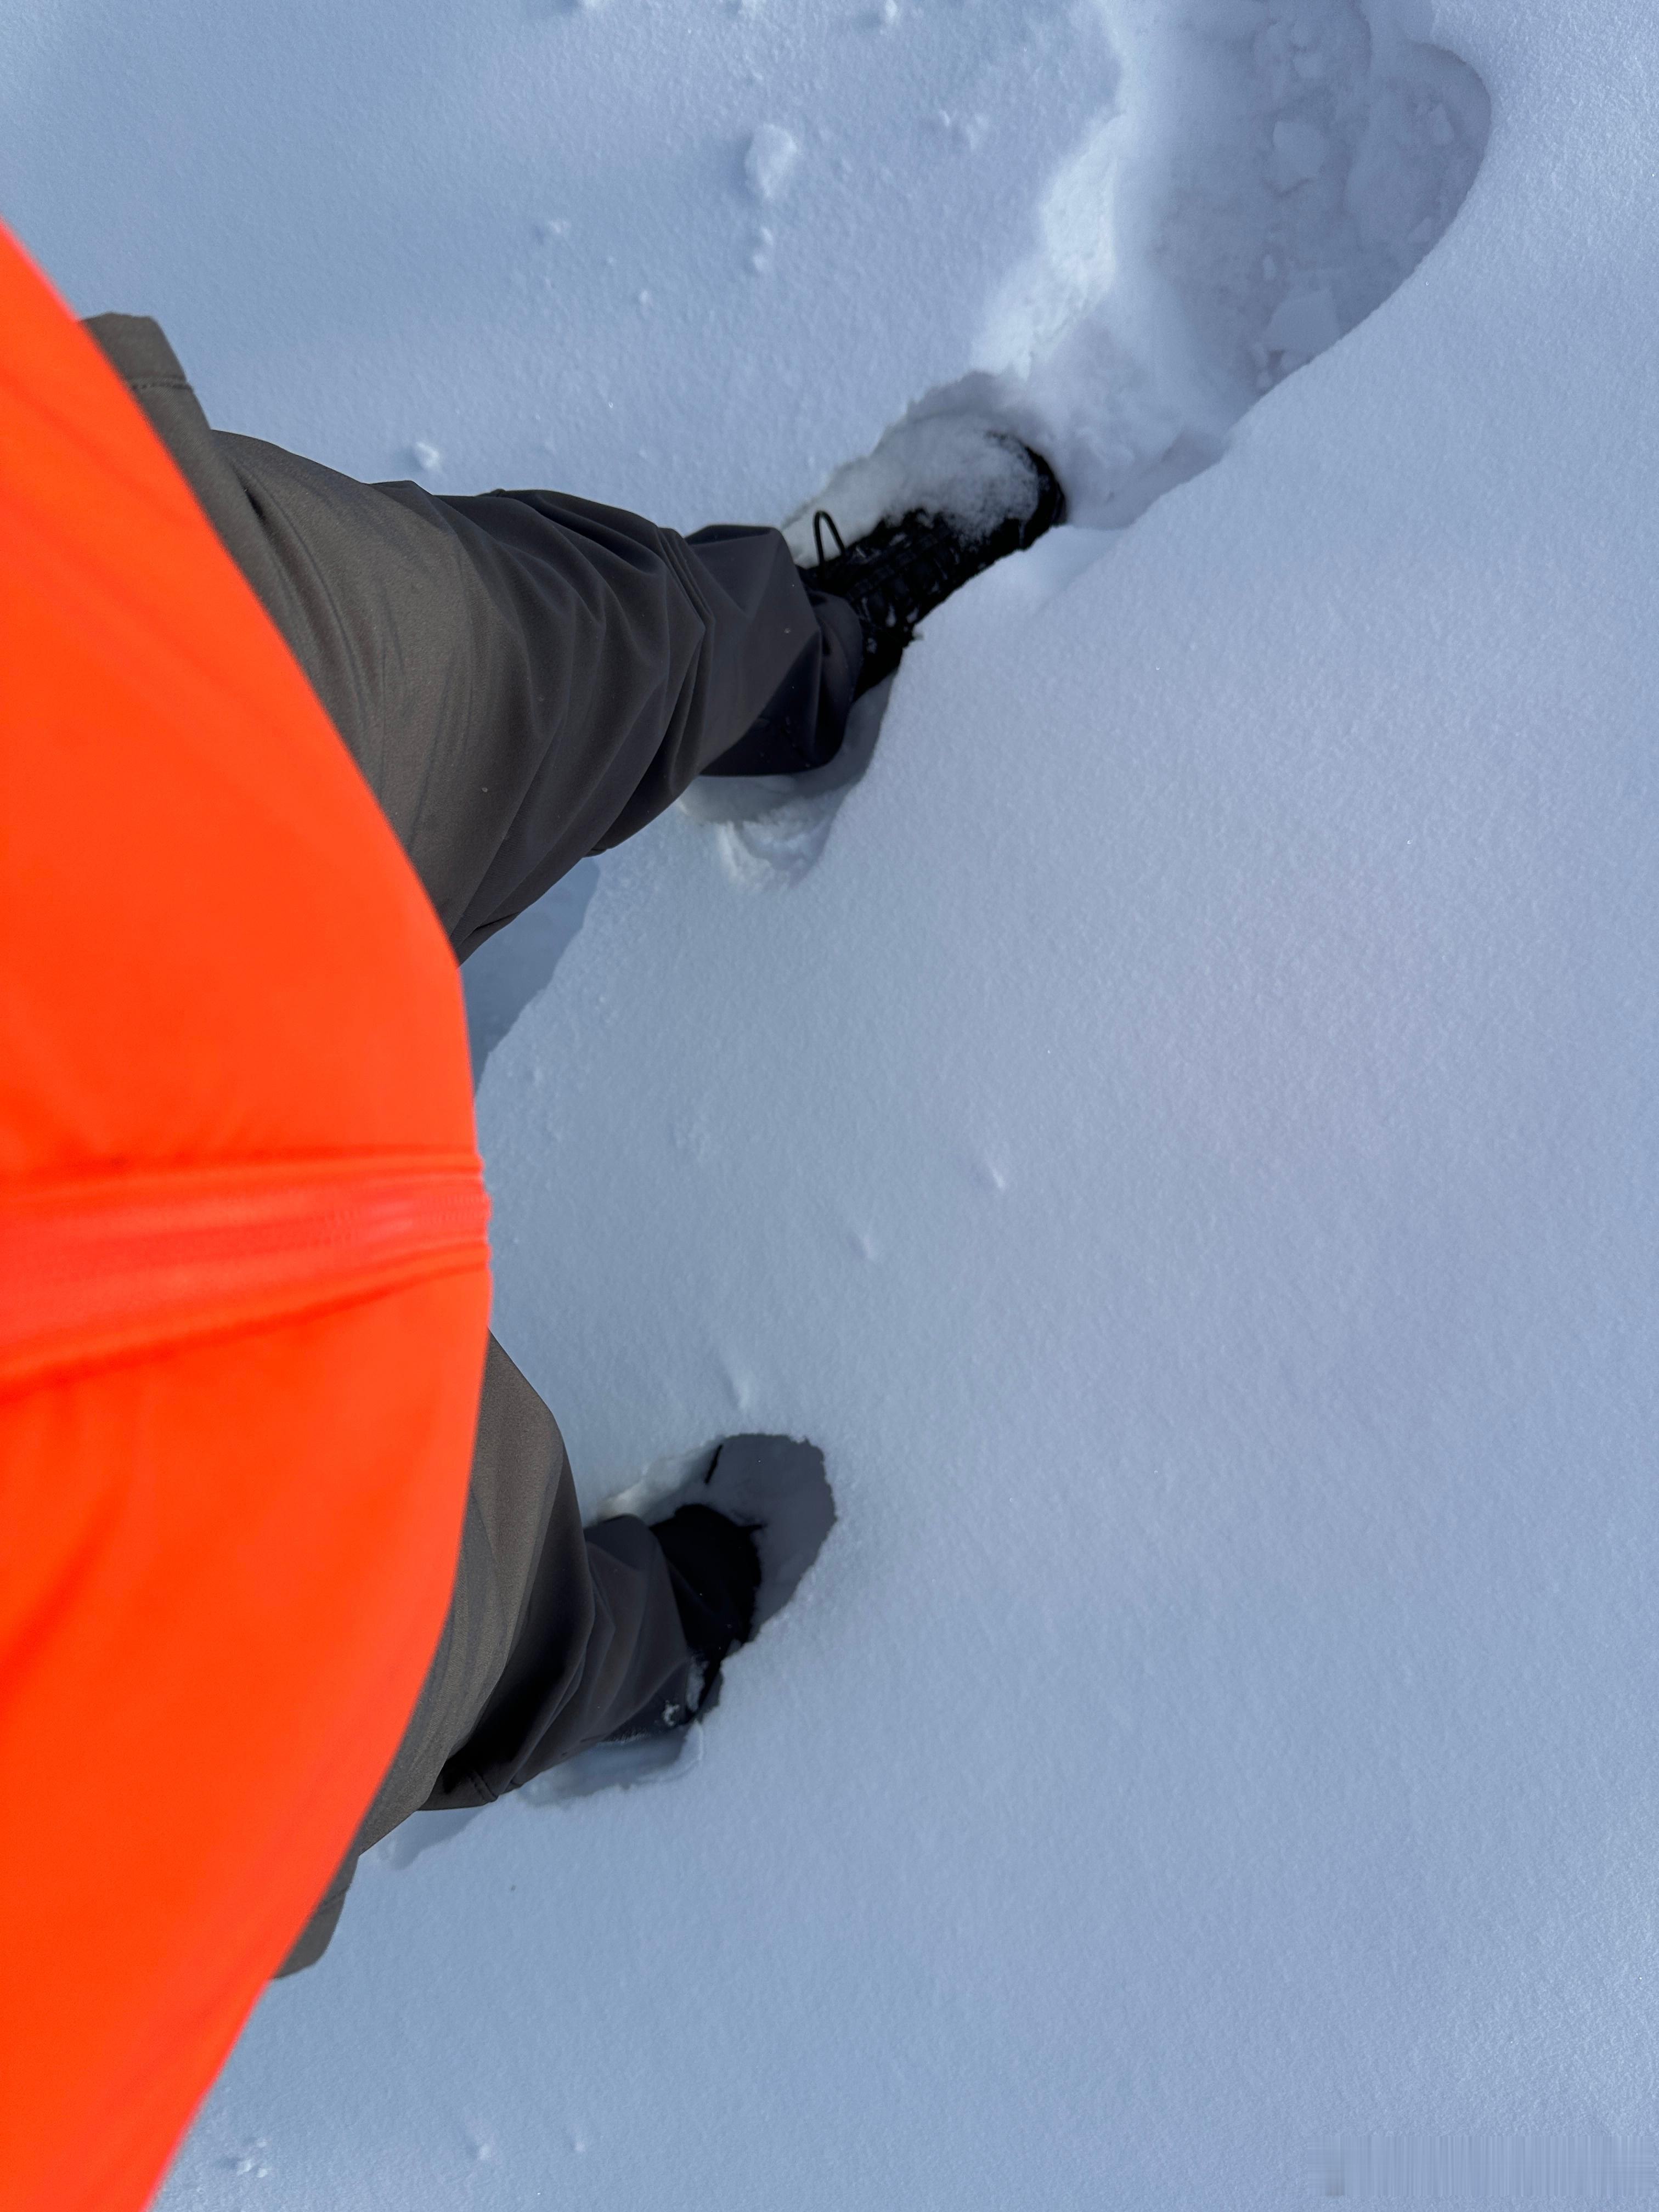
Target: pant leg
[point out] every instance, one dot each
(556, 1637)
(523, 678)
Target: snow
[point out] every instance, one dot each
(1178, 1130)
(770, 161)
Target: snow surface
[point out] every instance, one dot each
(1179, 1132)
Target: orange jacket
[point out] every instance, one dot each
(243, 1285)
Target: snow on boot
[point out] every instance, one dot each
(899, 571)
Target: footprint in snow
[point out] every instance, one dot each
(1270, 171)
(1302, 157)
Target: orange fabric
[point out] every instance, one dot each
(109, 1268)
(229, 1523)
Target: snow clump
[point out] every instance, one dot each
(770, 161)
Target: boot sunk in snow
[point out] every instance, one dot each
(896, 574)
(737, 1538)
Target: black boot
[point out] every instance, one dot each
(737, 1542)
(896, 576)
(714, 1567)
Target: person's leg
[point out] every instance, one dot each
(523, 679)
(526, 678)
(557, 1637)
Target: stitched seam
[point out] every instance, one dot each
(76, 1365)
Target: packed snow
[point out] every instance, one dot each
(1171, 1116)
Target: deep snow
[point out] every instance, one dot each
(1181, 1137)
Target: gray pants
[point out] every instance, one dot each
(523, 679)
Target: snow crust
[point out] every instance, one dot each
(1178, 1131)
